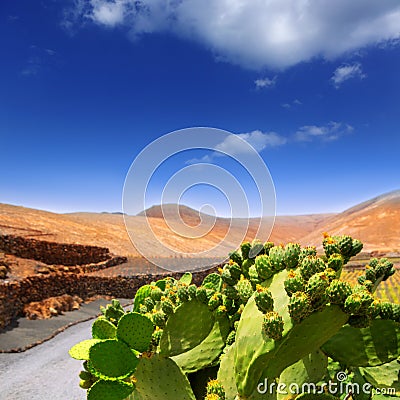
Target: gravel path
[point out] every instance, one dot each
(45, 372)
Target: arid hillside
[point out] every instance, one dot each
(376, 222)
(108, 230)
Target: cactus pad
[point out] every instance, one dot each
(264, 267)
(264, 299)
(299, 306)
(207, 352)
(135, 330)
(213, 281)
(186, 278)
(338, 291)
(81, 350)
(311, 265)
(292, 253)
(317, 285)
(375, 345)
(294, 283)
(103, 329)
(273, 325)
(245, 290)
(277, 257)
(110, 390)
(159, 378)
(186, 328)
(141, 294)
(256, 357)
(112, 359)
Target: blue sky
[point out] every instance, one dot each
(86, 85)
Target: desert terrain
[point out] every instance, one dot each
(375, 222)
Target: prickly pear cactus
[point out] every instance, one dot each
(280, 314)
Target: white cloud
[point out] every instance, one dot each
(257, 33)
(265, 82)
(331, 131)
(295, 102)
(346, 72)
(109, 13)
(257, 139)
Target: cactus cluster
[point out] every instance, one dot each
(271, 312)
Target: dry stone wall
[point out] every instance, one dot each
(14, 295)
(53, 252)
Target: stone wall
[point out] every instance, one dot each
(52, 252)
(14, 295)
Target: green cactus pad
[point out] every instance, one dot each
(213, 281)
(294, 283)
(383, 376)
(245, 250)
(311, 265)
(277, 256)
(183, 294)
(135, 330)
(186, 278)
(161, 284)
(245, 290)
(256, 357)
(227, 277)
(207, 351)
(246, 264)
(236, 257)
(338, 291)
(110, 390)
(112, 359)
(263, 299)
(103, 329)
(235, 270)
(141, 294)
(186, 328)
(375, 345)
(226, 373)
(159, 378)
(81, 350)
(310, 369)
(264, 267)
(292, 253)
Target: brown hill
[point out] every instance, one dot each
(375, 222)
(108, 230)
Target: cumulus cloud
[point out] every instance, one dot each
(332, 131)
(257, 139)
(265, 82)
(254, 34)
(346, 72)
